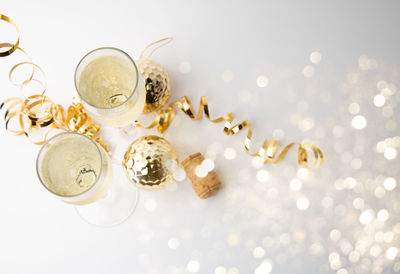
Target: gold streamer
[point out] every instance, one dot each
(12, 47)
(38, 111)
(166, 40)
(268, 151)
(162, 121)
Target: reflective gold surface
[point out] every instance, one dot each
(267, 153)
(12, 47)
(157, 84)
(24, 114)
(43, 112)
(150, 162)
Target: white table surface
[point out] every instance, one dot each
(249, 226)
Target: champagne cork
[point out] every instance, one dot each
(206, 186)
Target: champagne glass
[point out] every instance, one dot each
(78, 171)
(110, 87)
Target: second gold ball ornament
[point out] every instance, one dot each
(157, 84)
(150, 162)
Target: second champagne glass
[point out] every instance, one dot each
(110, 87)
(78, 171)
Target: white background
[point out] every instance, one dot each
(249, 226)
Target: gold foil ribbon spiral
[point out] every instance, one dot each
(38, 111)
(12, 47)
(268, 151)
(154, 46)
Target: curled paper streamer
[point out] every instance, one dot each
(268, 151)
(153, 46)
(12, 47)
(38, 111)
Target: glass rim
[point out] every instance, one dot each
(55, 137)
(107, 48)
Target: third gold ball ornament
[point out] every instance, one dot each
(150, 162)
(157, 84)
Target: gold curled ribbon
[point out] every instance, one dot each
(29, 79)
(38, 111)
(268, 151)
(162, 121)
(156, 45)
(12, 47)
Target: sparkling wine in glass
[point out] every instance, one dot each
(78, 171)
(110, 87)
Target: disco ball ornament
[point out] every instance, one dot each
(150, 162)
(157, 84)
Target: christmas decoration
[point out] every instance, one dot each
(150, 162)
(156, 83)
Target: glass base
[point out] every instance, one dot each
(116, 206)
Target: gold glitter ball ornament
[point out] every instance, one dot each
(157, 84)
(150, 162)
